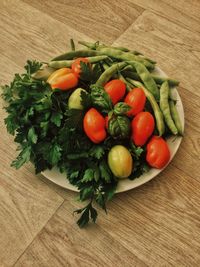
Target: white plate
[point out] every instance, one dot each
(174, 142)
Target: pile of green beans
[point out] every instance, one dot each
(134, 69)
(164, 106)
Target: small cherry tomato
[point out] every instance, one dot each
(142, 128)
(76, 66)
(136, 99)
(116, 90)
(94, 126)
(158, 154)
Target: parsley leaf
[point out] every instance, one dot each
(32, 66)
(23, 157)
(56, 118)
(87, 212)
(54, 154)
(32, 136)
(97, 152)
(86, 71)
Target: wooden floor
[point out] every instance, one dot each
(157, 224)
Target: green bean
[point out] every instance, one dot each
(77, 53)
(120, 55)
(128, 85)
(157, 112)
(121, 48)
(146, 78)
(67, 63)
(89, 44)
(128, 69)
(158, 79)
(164, 106)
(108, 73)
(105, 65)
(176, 117)
(72, 45)
(142, 56)
(135, 52)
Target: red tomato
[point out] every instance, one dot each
(142, 128)
(158, 154)
(136, 99)
(76, 66)
(65, 82)
(94, 126)
(116, 90)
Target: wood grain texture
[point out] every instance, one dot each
(157, 224)
(184, 13)
(63, 244)
(34, 36)
(169, 44)
(102, 20)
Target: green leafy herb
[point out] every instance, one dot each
(32, 136)
(23, 157)
(87, 212)
(101, 99)
(121, 108)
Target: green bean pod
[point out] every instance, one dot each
(176, 117)
(157, 112)
(121, 48)
(78, 53)
(57, 64)
(72, 44)
(120, 55)
(145, 76)
(164, 106)
(128, 85)
(89, 45)
(108, 73)
(127, 72)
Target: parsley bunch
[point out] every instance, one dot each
(51, 135)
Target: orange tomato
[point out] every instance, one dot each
(63, 79)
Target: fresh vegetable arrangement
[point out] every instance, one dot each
(99, 114)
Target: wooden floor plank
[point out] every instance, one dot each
(62, 243)
(184, 13)
(158, 222)
(34, 36)
(104, 20)
(169, 44)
